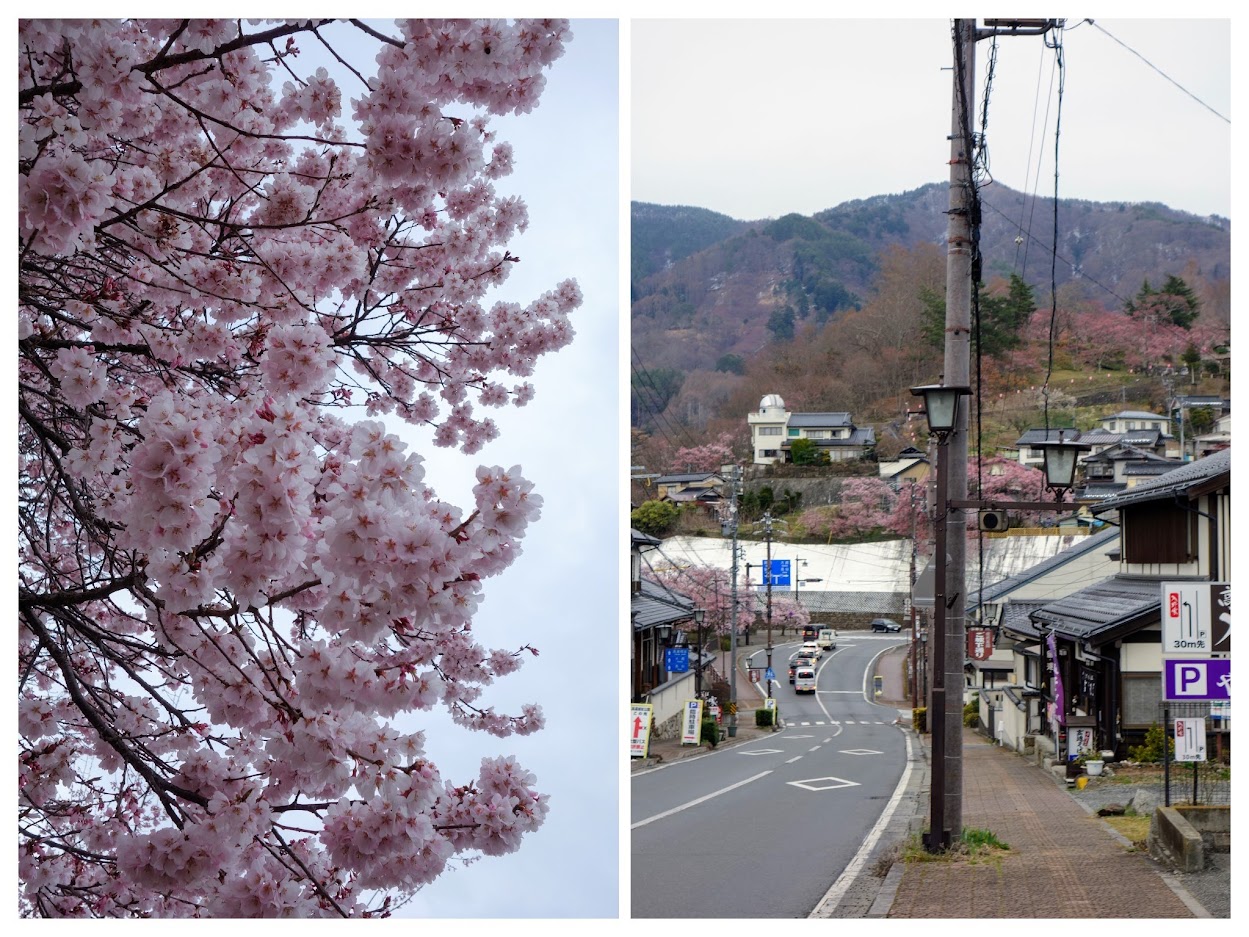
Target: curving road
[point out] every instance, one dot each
(765, 829)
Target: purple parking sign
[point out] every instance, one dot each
(1198, 678)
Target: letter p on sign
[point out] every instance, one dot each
(1192, 680)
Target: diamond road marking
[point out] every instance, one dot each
(815, 784)
(800, 736)
(764, 751)
(860, 751)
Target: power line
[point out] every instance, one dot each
(1159, 71)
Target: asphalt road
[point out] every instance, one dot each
(765, 829)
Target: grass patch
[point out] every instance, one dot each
(1133, 827)
(975, 846)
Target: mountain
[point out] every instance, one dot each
(709, 290)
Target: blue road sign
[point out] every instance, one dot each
(677, 659)
(771, 674)
(1197, 678)
(780, 573)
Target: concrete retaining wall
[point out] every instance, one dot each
(1182, 836)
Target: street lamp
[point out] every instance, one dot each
(941, 407)
(1059, 462)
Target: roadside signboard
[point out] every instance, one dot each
(1196, 618)
(639, 729)
(756, 674)
(677, 659)
(1079, 739)
(1195, 678)
(979, 643)
(692, 722)
(1190, 740)
(779, 573)
(770, 674)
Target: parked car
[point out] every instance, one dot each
(804, 681)
(827, 639)
(885, 624)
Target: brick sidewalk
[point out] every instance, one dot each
(1062, 861)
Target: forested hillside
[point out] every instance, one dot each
(843, 310)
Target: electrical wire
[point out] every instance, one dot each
(1103, 30)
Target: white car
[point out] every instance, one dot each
(812, 649)
(804, 680)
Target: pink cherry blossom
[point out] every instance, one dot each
(233, 589)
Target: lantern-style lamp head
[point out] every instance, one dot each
(941, 405)
(1059, 461)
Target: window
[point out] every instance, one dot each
(794, 432)
(769, 430)
(817, 434)
(1141, 693)
(769, 454)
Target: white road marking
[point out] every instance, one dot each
(792, 760)
(764, 751)
(810, 784)
(832, 898)
(860, 751)
(814, 749)
(697, 801)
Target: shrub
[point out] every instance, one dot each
(1151, 750)
(971, 711)
(919, 718)
(765, 717)
(710, 732)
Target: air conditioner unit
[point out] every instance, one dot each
(993, 520)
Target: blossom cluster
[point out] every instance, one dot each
(233, 589)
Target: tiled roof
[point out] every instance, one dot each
(1139, 468)
(1104, 610)
(1177, 480)
(640, 539)
(687, 477)
(819, 419)
(658, 605)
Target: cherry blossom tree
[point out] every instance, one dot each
(705, 458)
(233, 581)
(710, 589)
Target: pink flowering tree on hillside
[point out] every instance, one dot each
(708, 588)
(233, 581)
(708, 457)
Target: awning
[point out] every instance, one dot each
(1110, 609)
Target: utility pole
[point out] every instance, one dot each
(767, 533)
(962, 261)
(914, 629)
(736, 487)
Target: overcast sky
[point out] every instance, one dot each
(759, 118)
(562, 593)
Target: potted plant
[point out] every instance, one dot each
(1091, 761)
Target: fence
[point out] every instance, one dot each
(1198, 782)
